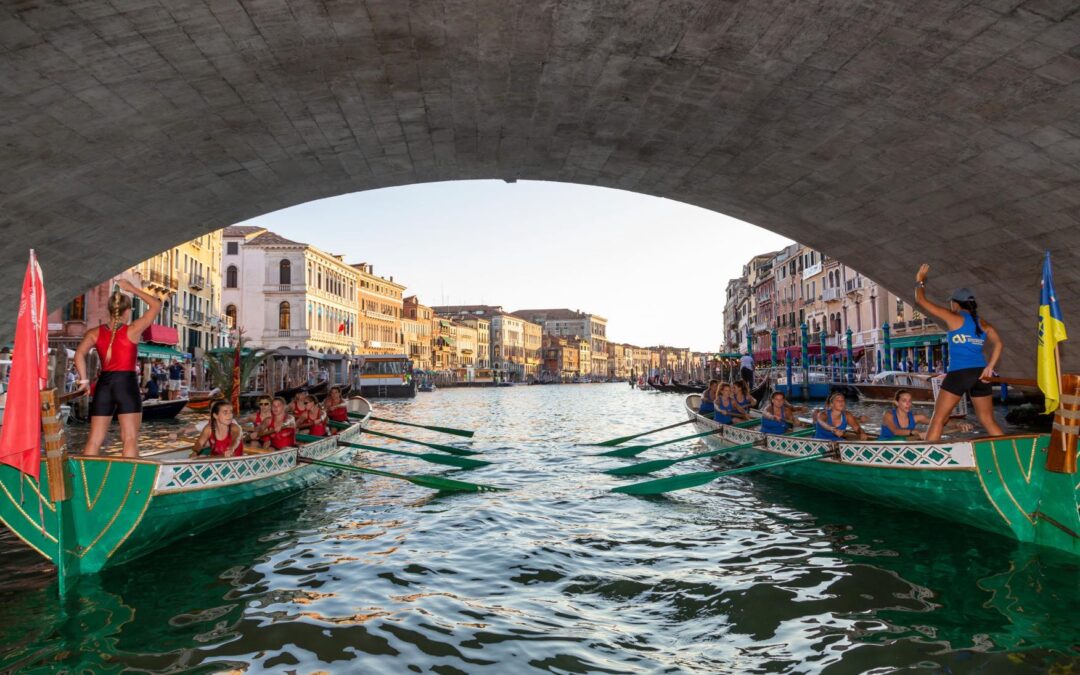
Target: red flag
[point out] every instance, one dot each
(235, 401)
(20, 435)
(341, 328)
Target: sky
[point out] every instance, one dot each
(656, 269)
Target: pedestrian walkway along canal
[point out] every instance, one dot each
(364, 574)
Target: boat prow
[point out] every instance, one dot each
(998, 484)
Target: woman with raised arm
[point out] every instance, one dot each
(117, 388)
(969, 370)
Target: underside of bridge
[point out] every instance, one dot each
(885, 134)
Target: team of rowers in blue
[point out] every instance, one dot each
(730, 403)
(968, 373)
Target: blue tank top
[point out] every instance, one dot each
(706, 407)
(887, 434)
(723, 412)
(821, 433)
(743, 403)
(770, 426)
(966, 348)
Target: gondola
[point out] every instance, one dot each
(999, 485)
(158, 409)
(120, 509)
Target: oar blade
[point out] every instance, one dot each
(450, 485)
(662, 485)
(642, 468)
(628, 451)
(451, 460)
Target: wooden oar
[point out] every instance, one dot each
(634, 450)
(424, 480)
(657, 464)
(689, 480)
(434, 446)
(448, 460)
(623, 439)
(446, 430)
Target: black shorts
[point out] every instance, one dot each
(116, 393)
(966, 381)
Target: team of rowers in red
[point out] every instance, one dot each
(273, 426)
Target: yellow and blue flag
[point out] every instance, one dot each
(1051, 332)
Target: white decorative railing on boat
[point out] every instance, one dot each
(180, 475)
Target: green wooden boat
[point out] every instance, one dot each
(121, 509)
(999, 484)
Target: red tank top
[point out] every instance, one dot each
(258, 418)
(124, 351)
(220, 446)
(338, 413)
(285, 438)
(319, 428)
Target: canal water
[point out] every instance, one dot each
(371, 575)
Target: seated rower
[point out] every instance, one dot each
(298, 405)
(337, 410)
(707, 397)
(222, 437)
(900, 422)
(313, 419)
(724, 405)
(258, 420)
(280, 433)
(744, 402)
(832, 423)
(778, 417)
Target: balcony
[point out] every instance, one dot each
(162, 280)
(856, 284)
(197, 281)
(194, 317)
(832, 294)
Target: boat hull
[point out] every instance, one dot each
(998, 485)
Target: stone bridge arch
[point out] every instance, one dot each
(882, 134)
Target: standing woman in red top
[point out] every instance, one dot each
(117, 389)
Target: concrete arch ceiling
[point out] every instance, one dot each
(884, 134)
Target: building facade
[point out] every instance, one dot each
(381, 306)
(416, 330)
(287, 294)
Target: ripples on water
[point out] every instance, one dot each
(374, 575)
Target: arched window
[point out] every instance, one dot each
(230, 316)
(283, 316)
(285, 272)
(230, 277)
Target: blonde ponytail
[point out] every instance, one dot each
(118, 304)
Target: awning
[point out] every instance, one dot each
(909, 341)
(162, 335)
(150, 351)
(450, 343)
(444, 323)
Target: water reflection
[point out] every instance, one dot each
(372, 575)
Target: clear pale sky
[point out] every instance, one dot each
(655, 268)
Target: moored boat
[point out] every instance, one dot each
(882, 388)
(1000, 485)
(119, 509)
(159, 409)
